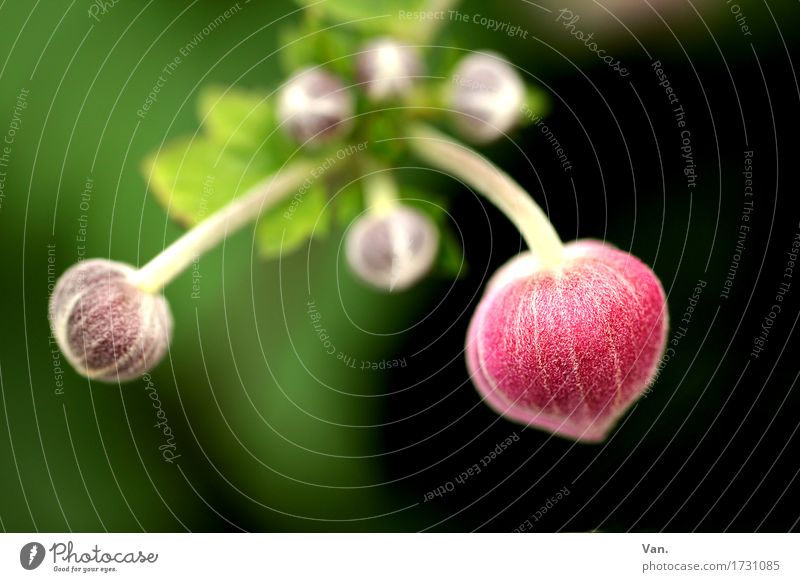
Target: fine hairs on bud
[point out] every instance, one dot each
(107, 328)
(487, 94)
(387, 69)
(568, 350)
(315, 106)
(394, 249)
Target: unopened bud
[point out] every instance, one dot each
(487, 96)
(392, 250)
(314, 107)
(107, 328)
(387, 69)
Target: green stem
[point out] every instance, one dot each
(455, 158)
(380, 191)
(168, 264)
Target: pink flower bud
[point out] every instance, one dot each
(107, 328)
(487, 95)
(393, 250)
(314, 107)
(387, 69)
(568, 350)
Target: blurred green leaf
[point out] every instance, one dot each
(450, 262)
(307, 45)
(193, 178)
(537, 102)
(234, 117)
(289, 225)
(374, 16)
(348, 204)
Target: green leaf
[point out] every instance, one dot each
(236, 118)
(374, 16)
(450, 262)
(348, 204)
(537, 105)
(307, 45)
(290, 224)
(194, 177)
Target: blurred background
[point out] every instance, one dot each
(274, 434)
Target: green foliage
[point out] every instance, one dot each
(450, 262)
(289, 225)
(307, 45)
(372, 16)
(235, 118)
(193, 177)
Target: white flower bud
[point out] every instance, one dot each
(314, 107)
(487, 95)
(107, 328)
(387, 69)
(392, 250)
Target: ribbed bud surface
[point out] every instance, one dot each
(107, 328)
(568, 351)
(314, 107)
(392, 251)
(487, 94)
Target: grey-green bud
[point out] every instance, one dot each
(314, 106)
(107, 328)
(487, 96)
(387, 69)
(392, 250)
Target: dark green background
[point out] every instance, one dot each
(273, 433)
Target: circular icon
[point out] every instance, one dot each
(31, 555)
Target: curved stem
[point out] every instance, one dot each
(449, 155)
(153, 276)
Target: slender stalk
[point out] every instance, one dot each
(380, 191)
(156, 274)
(447, 154)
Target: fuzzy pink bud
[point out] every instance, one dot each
(107, 328)
(568, 350)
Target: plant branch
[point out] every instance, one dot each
(162, 269)
(455, 158)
